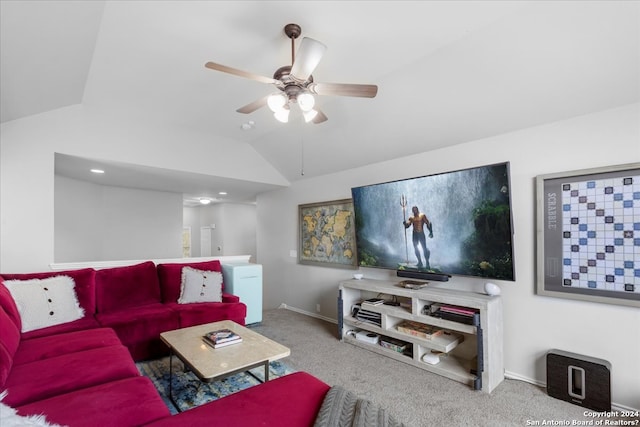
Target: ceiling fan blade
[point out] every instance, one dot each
(319, 118)
(253, 106)
(309, 54)
(236, 72)
(343, 89)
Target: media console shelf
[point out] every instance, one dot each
(469, 352)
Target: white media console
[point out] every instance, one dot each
(471, 353)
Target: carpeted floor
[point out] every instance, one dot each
(189, 392)
(416, 397)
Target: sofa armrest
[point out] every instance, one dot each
(230, 298)
(292, 400)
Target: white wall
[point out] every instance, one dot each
(532, 324)
(239, 229)
(27, 148)
(100, 223)
(78, 222)
(234, 232)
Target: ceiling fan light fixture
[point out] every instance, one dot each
(277, 101)
(295, 83)
(309, 54)
(282, 115)
(309, 115)
(306, 101)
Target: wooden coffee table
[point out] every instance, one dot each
(212, 364)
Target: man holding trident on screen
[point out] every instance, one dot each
(419, 221)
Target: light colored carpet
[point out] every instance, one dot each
(414, 396)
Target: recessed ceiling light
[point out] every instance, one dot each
(98, 171)
(205, 201)
(223, 193)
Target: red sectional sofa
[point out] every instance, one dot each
(83, 372)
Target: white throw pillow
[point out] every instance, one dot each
(200, 286)
(45, 302)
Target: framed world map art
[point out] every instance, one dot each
(327, 234)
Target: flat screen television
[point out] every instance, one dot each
(453, 223)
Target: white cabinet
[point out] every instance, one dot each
(244, 280)
(468, 349)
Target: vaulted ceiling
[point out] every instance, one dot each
(447, 72)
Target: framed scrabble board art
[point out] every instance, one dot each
(588, 235)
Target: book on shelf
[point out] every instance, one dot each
(420, 330)
(393, 344)
(463, 311)
(369, 317)
(373, 301)
(222, 338)
(459, 318)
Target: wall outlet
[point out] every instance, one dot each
(318, 308)
(293, 253)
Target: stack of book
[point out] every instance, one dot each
(366, 315)
(373, 301)
(412, 284)
(222, 338)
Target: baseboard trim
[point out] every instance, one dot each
(307, 313)
(518, 377)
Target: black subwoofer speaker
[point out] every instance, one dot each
(581, 380)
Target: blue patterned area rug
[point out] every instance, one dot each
(189, 391)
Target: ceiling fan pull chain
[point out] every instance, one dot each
(302, 156)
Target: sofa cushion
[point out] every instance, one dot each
(10, 335)
(207, 312)
(230, 298)
(119, 288)
(78, 325)
(6, 363)
(34, 349)
(42, 379)
(9, 342)
(170, 276)
(140, 329)
(292, 400)
(9, 417)
(200, 286)
(84, 285)
(127, 402)
(45, 302)
(9, 305)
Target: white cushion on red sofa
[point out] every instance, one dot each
(45, 302)
(200, 286)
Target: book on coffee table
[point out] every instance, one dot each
(222, 338)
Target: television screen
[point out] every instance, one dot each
(455, 223)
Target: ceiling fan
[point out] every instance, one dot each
(295, 83)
